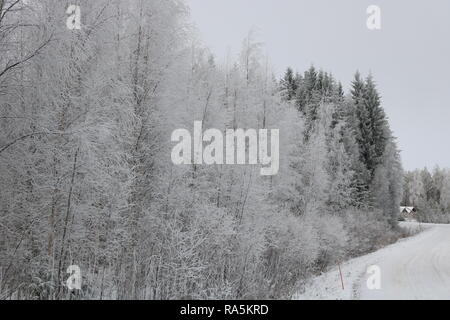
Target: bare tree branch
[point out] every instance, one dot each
(35, 53)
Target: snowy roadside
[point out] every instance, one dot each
(328, 285)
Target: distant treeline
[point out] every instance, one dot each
(429, 192)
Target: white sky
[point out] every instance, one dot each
(409, 56)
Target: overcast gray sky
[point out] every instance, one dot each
(409, 57)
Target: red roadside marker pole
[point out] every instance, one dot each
(342, 279)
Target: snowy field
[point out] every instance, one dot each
(413, 268)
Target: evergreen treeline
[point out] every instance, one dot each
(372, 164)
(86, 177)
(429, 193)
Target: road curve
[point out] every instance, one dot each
(414, 269)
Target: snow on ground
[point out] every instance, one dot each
(413, 268)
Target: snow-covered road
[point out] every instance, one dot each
(413, 268)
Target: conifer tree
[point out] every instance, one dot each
(365, 134)
(289, 85)
(378, 123)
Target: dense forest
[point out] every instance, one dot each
(86, 178)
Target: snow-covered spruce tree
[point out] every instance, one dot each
(376, 144)
(363, 131)
(378, 124)
(289, 85)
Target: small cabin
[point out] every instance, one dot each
(408, 213)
